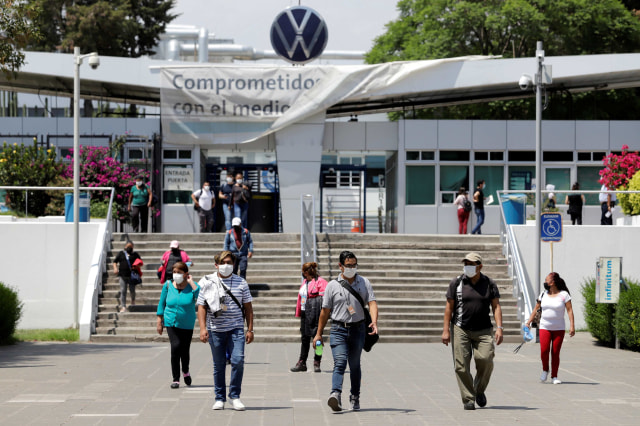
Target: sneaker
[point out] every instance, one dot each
(316, 367)
(469, 405)
(556, 381)
(334, 402)
(543, 376)
(175, 385)
(237, 404)
(300, 366)
(481, 400)
(187, 379)
(218, 405)
(123, 309)
(355, 402)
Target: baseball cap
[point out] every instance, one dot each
(236, 221)
(174, 244)
(473, 257)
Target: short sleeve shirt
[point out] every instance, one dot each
(205, 198)
(230, 319)
(338, 299)
(472, 302)
(553, 309)
(140, 195)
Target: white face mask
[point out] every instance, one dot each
(206, 188)
(225, 270)
(178, 278)
(350, 272)
(239, 181)
(229, 180)
(470, 270)
(139, 182)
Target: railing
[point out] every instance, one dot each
(307, 230)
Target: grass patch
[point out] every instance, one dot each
(47, 335)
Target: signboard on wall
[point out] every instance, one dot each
(178, 179)
(609, 270)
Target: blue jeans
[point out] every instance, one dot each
(227, 215)
(241, 211)
(219, 341)
(346, 346)
(480, 220)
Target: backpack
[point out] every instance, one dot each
(198, 197)
(466, 205)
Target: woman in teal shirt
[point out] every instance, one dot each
(177, 312)
(140, 199)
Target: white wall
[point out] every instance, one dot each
(37, 259)
(575, 257)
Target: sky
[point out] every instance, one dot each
(352, 24)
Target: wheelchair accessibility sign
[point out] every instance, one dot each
(551, 227)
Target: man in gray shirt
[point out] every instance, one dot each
(348, 327)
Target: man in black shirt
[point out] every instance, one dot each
(469, 299)
(478, 204)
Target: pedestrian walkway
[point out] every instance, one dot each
(403, 384)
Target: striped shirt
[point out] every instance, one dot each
(230, 319)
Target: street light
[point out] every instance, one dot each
(94, 62)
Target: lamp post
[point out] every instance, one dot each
(94, 62)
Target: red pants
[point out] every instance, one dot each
(546, 346)
(463, 219)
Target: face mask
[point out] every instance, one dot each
(239, 181)
(178, 278)
(129, 250)
(470, 270)
(206, 188)
(349, 272)
(225, 270)
(139, 182)
(229, 180)
(546, 286)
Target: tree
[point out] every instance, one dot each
(16, 29)
(129, 28)
(430, 29)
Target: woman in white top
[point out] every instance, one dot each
(461, 201)
(553, 301)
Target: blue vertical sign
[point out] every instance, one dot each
(551, 227)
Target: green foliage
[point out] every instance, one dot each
(129, 28)
(628, 317)
(22, 165)
(598, 316)
(56, 206)
(10, 313)
(48, 335)
(16, 29)
(630, 203)
(99, 209)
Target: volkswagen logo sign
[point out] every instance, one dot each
(299, 34)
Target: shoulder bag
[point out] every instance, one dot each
(369, 339)
(135, 278)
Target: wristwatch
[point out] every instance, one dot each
(501, 327)
(249, 331)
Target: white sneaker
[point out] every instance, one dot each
(237, 404)
(556, 381)
(543, 376)
(218, 405)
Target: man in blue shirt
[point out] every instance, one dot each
(239, 242)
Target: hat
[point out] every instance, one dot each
(236, 221)
(473, 257)
(174, 244)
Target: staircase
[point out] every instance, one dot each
(409, 274)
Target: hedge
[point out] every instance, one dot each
(10, 313)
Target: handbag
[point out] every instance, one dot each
(369, 339)
(536, 319)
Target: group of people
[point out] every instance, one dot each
(464, 208)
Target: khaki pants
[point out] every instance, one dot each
(466, 343)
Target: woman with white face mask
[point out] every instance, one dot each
(177, 312)
(140, 199)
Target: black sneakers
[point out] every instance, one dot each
(300, 366)
(481, 400)
(469, 405)
(355, 402)
(187, 379)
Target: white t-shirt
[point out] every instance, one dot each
(204, 198)
(459, 201)
(553, 309)
(603, 197)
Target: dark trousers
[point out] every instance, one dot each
(576, 218)
(140, 216)
(604, 220)
(306, 342)
(180, 340)
(240, 265)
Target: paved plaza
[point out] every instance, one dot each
(403, 384)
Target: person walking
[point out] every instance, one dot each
(177, 313)
(348, 327)
(478, 204)
(226, 195)
(241, 197)
(575, 202)
(123, 264)
(308, 310)
(140, 199)
(239, 242)
(466, 316)
(170, 257)
(204, 201)
(464, 209)
(607, 203)
(224, 304)
(554, 301)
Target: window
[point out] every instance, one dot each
(591, 156)
(520, 177)
(421, 184)
(329, 159)
(550, 156)
(489, 156)
(413, 155)
(184, 154)
(522, 156)
(481, 156)
(588, 179)
(136, 153)
(493, 177)
(427, 155)
(454, 155)
(176, 196)
(451, 179)
(170, 154)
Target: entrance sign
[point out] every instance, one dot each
(299, 34)
(609, 271)
(551, 227)
(178, 179)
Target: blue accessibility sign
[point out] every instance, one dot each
(551, 227)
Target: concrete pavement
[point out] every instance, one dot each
(403, 384)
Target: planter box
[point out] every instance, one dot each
(628, 220)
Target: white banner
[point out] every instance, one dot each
(178, 179)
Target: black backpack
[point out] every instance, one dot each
(466, 205)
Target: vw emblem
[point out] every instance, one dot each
(299, 34)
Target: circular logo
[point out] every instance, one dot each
(299, 34)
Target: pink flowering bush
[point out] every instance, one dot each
(618, 171)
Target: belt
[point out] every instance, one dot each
(346, 324)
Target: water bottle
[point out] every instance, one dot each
(319, 348)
